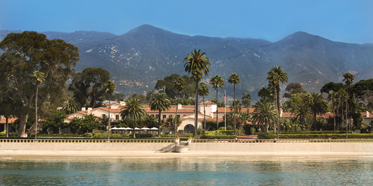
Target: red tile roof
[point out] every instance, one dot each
(10, 120)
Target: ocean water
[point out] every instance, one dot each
(186, 171)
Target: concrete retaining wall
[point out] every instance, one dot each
(282, 147)
(86, 146)
(248, 148)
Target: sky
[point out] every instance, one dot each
(338, 20)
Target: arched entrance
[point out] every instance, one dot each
(189, 128)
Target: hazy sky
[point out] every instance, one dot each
(338, 20)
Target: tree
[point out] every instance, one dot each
(264, 112)
(278, 74)
(246, 101)
(167, 86)
(197, 64)
(55, 121)
(39, 78)
(203, 91)
(234, 79)
(333, 97)
(293, 88)
(109, 88)
(275, 76)
(348, 78)
(71, 106)
(217, 82)
(25, 53)
(88, 86)
(160, 103)
(298, 106)
(173, 122)
(133, 111)
(179, 84)
(318, 105)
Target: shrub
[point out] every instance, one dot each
(3, 133)
(217, 137)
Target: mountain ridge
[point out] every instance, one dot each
(145, 54)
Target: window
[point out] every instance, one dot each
(178, 116)
(157, 116)
(164, 116)
(117, 117)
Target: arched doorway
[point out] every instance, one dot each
(189, 128)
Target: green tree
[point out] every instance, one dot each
(298, 106)
(246, 101)
(71, 106)
(160, 103)
(348, 78)
(167, 86)
(134, 112)
(217, 82)
(293, 88)
(234, 79)
(109, 88)
(197, 64)
(203, 91)
(333, 97)
(55, 121)
(88, 86)
(39, 78)
(264, 111)
(179, 85)
(318, 105)
(27, 52)
(277, 75)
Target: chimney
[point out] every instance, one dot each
(179, 106)
(89, 110)
(83, 108)
(367, 113)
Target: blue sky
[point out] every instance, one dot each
(338, 20)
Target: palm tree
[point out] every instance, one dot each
(133, 111)
(264, 112)
(203, 91)
(246, 101)
(333, 97)
(318, 105)
(281, 76)
(160, 103)
(197, 64)
(39, 78)
(179, 86)
(348, 78)
(71, 106)
(217, 82)
(109, 88)
(234, 79)
(342, 95)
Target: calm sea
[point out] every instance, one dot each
(187, 171)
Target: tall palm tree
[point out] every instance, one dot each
(179, 84)
(217, 82)
(273, 79)
(342, 95)
(264, 112)
(246, 101)
(197, 64)
(281, 76)
(133, 111)
(71, 106)
(234, 79)
(160, 103)
(318, 105)
(332, 97)
(203, 91)
(109, 89)
(39, 78)
(348, 78)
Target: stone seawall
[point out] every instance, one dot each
(194, 148)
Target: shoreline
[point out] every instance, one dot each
(142, 154)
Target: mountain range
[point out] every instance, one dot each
(140, 57)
